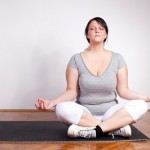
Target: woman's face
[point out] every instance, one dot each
(96, 33)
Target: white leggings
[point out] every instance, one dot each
(71, 112)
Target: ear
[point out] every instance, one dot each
(106, 36)
(87, 35)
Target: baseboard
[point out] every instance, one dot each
(28, 110)
(24, 110)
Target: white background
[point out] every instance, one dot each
(38, 37)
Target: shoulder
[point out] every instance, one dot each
(74, 60)
(119, 59)
(76, 55)
(116, 54)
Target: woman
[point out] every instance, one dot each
(94, 78)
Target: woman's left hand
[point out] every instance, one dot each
(147, 99)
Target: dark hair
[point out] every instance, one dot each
(101, 22)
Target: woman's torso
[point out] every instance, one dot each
(97, 93)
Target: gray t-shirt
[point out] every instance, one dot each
(97, 93)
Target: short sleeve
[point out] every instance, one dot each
(73, 62)
(121, 61)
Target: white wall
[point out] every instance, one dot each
(38, 37)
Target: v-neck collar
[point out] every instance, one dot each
(102, 72)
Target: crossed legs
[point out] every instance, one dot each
(116, 117)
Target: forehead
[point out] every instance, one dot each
(95, 23)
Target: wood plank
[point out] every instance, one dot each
(142, 125)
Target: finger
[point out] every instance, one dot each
(37, 107)
(40, 101)
(42, 106)
(45, 106)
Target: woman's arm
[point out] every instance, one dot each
(72, 86)
(70, 93)
(123, 89)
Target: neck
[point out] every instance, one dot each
(96, 48)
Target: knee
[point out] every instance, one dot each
(68, 112)
(142, 105)
(62, 110)
(137, 108)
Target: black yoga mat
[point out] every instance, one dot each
(51, 131)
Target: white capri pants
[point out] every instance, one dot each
(71, 112)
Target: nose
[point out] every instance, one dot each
(97, 30)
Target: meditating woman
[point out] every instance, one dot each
(95, 77)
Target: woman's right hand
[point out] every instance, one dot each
(44, 104)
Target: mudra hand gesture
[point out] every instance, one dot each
(147, 99)
(44, 104)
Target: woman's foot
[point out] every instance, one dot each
(75, 131)
(124, 132)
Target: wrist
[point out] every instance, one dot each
(54, 102)
(144, 98)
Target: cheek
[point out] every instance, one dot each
(90, 34)
(104, 33)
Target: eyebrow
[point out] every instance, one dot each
(95, 26)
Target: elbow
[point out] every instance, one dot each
(73, 93)
(122, 93)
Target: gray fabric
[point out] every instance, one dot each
(97, 93)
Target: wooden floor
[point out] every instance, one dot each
(143, 125)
